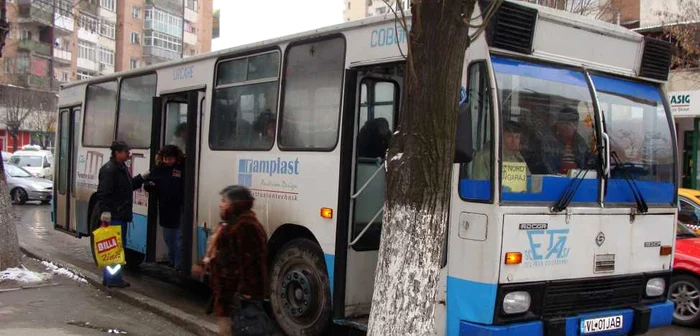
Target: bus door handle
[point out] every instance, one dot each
(369, 180)
(362, 233)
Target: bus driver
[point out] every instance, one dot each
(515, 170)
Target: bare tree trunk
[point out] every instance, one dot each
(419, 170)
(9, 245)
(4, 25)
(14, 141)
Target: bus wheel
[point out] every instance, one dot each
(300, 289)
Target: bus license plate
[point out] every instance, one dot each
(600, 324)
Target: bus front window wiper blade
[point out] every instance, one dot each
(642, 206)
(568, 195)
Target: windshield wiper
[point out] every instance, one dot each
(568, 195)
(642, 206)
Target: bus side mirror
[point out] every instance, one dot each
(464, 149)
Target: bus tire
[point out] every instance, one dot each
(300, 289)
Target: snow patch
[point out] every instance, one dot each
(54, 269)
(23, 275)
(397, 157)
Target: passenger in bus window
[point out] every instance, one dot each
(179, 137)
(373, 139)
(512, 159)
(571, 151)
(166, 181)
(265, 126)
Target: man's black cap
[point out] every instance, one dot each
(119, 146)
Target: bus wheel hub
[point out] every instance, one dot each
(296, 293)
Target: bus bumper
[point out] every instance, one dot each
(636, 321)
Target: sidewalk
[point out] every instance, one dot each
(152, 287)
(60, 305)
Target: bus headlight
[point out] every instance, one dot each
(656, 287)
(516, 302)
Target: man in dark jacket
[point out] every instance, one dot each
(166, 181)
(115, 193)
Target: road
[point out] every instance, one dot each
(35, 228)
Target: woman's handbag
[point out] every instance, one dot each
(250, 319)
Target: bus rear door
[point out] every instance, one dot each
(64, 167)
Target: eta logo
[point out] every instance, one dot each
(547, 247)
(107, 244)
(681, 99)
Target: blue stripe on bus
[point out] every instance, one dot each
(137, 233)
(534, 70)
(628, 88)
(330, 264)
(470, 301)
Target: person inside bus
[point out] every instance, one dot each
(166, 181)
(510, 154)
(265, 125)
(239, 265)
(115, 192)
(373, 139)
(570, 150)
(179, 137)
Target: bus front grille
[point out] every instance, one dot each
(577, 296)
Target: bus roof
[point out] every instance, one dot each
(546, 13)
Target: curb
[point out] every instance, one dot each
(174, 315)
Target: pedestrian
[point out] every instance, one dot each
(239, 264)
(166, 182)
(115, 195)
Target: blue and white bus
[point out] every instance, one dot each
(563, 206)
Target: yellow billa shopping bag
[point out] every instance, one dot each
(108, 246)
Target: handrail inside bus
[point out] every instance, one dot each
(369, 180)
(362, 233)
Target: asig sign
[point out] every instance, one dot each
(684, 103)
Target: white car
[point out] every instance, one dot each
(37, 162)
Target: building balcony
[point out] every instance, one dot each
(92, 8)
(33, 13)
(191, 15)
(40, 48)
(64, 24)
(190, 38)
(173, 6)
(158, 55)
(86, 64)
(62, 56)
(31, 80)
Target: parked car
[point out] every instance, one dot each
(689, 208)
(26, 187)
(684, 290)
(36, 161)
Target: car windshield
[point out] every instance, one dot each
(683, 231)
(548, 131)
(27, 161)
(640, 134)
(15, 171)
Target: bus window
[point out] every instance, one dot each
(548, 132)
(244, 109)
(474, 133)
(312, 91)
(176, 124)
(376, 121)
(136, 110)
(100, 112)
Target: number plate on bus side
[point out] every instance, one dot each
(595, 325)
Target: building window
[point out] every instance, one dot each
(83, 75)
(135, 12)
(88, 23)
(163, 41)
(135, 38)
(191, 4)
(349, 3)
(108, 29)
(110, 5)
(190, 27)
(311, 105)
(162, 21)
(106, 56)
(64, 76)
(86, 50)
(26, 35)
(133, 63)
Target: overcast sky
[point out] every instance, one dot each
(247, 21)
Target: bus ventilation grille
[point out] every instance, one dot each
(512, 27)
(570, 297)
(656, 60)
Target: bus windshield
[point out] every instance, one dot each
(638, 126)
(548, 132)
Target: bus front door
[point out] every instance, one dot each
(176, 122)
(378, 90)
(64, 194)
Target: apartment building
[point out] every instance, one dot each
(57, 41)
(360, 9)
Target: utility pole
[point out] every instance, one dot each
(4, 25)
